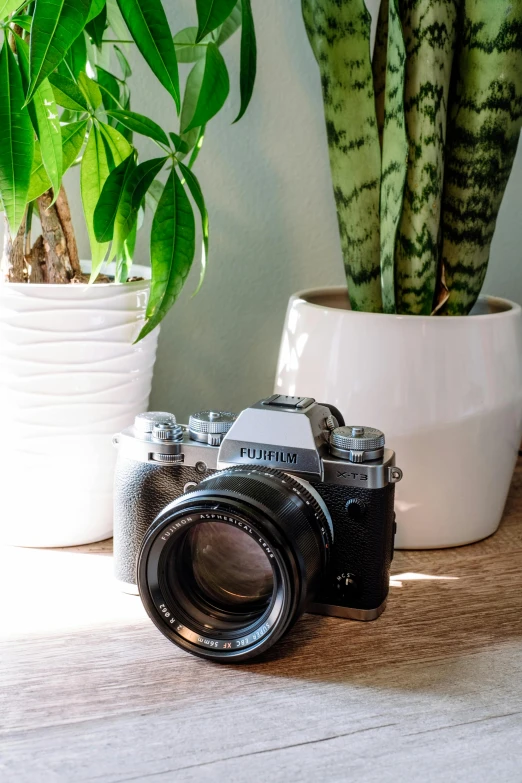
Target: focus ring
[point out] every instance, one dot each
(298, 489)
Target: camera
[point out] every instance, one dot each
(231, 527)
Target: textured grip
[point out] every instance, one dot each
(362, 547)
(141, 491)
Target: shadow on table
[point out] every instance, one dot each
(428, 618)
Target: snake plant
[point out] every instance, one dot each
(421, 152)
(65, 100)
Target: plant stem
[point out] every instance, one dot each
(13, 259)
(59, 268)
(64, 215)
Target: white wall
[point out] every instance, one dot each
(273, 223)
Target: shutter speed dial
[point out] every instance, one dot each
(357, 444)
(210, 426)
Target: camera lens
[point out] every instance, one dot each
(225, 570)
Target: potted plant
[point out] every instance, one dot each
(422, 137)
(77, 344)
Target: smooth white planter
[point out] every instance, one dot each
(70, 377)
(447, 393)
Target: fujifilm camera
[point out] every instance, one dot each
(232, 526)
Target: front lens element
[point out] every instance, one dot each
(228, 567)
(225, 570)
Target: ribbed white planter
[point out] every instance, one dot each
(447, 393)
(70, 377)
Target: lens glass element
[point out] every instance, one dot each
(229, 568)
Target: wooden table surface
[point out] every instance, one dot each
(432, 691)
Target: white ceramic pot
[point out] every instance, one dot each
(446, 391)
(70, 377)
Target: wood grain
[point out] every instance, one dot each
(432, 691)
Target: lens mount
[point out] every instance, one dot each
(225, 570)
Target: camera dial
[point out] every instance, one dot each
(357, 444)
(144, 422)
(210, 426)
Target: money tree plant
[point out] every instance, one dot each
(65, 101)
(422, 138)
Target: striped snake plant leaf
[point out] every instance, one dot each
(394, 154)
(483, 133)
(339, 33)
(379, 60)
(429, 28)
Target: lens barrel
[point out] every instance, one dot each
(225, 570)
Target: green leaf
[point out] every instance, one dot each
(190, 100)
(96, 26)
(149, 27)
(172, 250)
(230, 25)
(247, 74)
(46, 122)
(215, 86)
(197, 146)
(105, 149)
(107, 206)
(197, 195)
(90, 90)
(17, 147)
(187, 50)
(67, 94)
(117, 147)
(179, 144)
(73, 136)
(110, 89)
(142, 179)
(39, 181)
(23, 20)
(135, 187)
(7, 7)
(116, 22)
(212, 13)
(123, 62)
(76, 58)
(153, 195)
(140, 124)
(128, 247)
(56, 24)
(97, 7)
